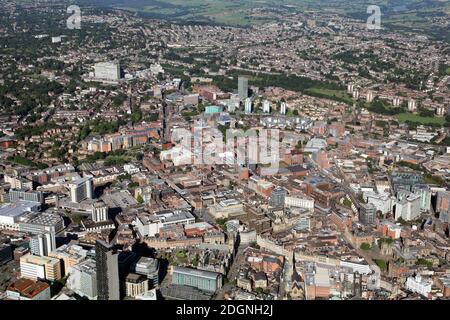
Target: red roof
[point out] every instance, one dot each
(28, 288)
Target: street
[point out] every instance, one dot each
(232, 274)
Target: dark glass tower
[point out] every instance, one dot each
(108, 286)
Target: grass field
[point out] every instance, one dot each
(403, 117)
(338, 95)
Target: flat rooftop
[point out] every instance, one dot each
(145, 262)
(88, 266)
(195, 272)
(46, 219)
(166, 216)
(18, 208)
(135, 278)
(78, 182)
(119, 199)
(200, 225)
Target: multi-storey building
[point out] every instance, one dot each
(6, 253)
(425, 196)
(419, 285)
(149, 225)
(27, 195)
(81, 189)
(408, 208)
(70, 255)
(42, 223)
(248, 105)
(383, 202)
(203, 280)
(148, 267)
(99, 212)
(135, 285)
(266, 106)
(278, 196)
(367, 214)
(226, 209)
(42, 244)
(12, 213)
(83, 279)
(443, 201)
(35, 267)
(243, 88)
(283, 107)
(108, 286)
(299, 201)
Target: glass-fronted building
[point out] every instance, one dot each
(202, 280)
(213, 109)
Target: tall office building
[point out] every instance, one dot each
(369, 96)
(396, 101)
(43, 244)
(243, 88)
(412, 105)
(266, 106)
(107, 264)
(6, 253)
(367, 213)
(83, 279)
(81, 189)
(99, 212)
(440, 111)
(277, 197)
(408, 208)
(350, 88)
(165, 138)
(148, 267)
(283, 107)
(107, 71)
(443, 201)
(424, 191)
(248, 105)
(382, 202)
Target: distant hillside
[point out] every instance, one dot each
(402, 14)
